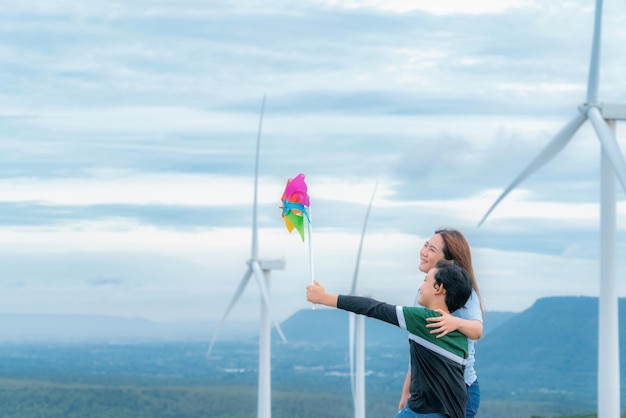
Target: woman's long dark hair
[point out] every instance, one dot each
(456, 248)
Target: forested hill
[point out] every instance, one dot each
(552, 346)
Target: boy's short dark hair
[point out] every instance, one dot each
(457, 282)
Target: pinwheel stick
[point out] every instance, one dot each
(311, 266)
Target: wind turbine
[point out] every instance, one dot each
(612, 166)
(356, 330)
(260, 269)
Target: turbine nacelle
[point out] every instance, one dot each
(613, 111)
(609, 111)
(266, 265)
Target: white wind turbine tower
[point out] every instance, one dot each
(260, 269)
(602, 117)
(357, 335)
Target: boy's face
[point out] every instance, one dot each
(427, 289)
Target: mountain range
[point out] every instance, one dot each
(80, 328)
(549, 352)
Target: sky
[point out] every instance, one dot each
(128, 133)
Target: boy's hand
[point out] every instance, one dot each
(315, 292)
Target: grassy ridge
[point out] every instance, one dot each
(35, 398)
(30, 399)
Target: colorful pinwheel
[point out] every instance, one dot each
(296, 207)
(295, 204)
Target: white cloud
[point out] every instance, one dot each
(437, 8)
(140, 189)
(543, 87)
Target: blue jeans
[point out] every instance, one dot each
(473, 400)
(407, 412)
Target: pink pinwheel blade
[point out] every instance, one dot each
(296, 190)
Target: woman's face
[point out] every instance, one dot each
(431, 252)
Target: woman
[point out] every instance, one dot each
(450, 244)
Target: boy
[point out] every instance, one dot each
(437, 364)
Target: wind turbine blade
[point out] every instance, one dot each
(358, 257)
(609, 144)
(550, 151)
(258, 274)
(240, 289)
(594, 65)
(255, 244)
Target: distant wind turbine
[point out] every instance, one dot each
(357, 335)
(260, 269)
(602, 117)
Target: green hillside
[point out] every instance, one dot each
(37, 399)
(540, 363)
